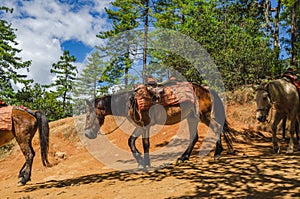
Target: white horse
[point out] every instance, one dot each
(284, 97)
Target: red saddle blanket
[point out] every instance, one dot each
(178, 93)
(6, 118)
(143, 98)
(169, 95)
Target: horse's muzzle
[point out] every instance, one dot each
(90, 134)
(261, 118)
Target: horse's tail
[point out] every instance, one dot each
(219, 115)
(229, 137)
(44, 136)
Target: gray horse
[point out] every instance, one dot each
(283, 96)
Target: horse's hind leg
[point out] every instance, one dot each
(217, 128)
(193, 128)
(131, 143)
(283, 128)
(297, 133)
(219, 147)
(146, 146)
(24, 135)
(297, 130)
(25, 172)
(292, 127)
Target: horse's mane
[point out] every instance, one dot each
(116, 103)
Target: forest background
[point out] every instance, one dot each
(249, 41)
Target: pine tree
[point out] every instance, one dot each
(65, 77)
(125, 18)
(10, 61)
(230, 31)
(128, 46)
(91, 76)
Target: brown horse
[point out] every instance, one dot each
(210, 111)
(283, 96)
(24, 126)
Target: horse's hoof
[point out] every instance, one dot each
(148, 166)
(290, 151)
(20, 182)
(217, 157)
(234, 152)
(141, 166)
(179, 161)
(276, 149)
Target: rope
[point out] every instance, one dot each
(99, 133)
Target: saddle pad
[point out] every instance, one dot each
(6, 118)
(143, 98)
(294, 80)
(178, 93)
(172, 95)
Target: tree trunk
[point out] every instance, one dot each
(293, 34)
(276, 33)
(146, 26)
(127, 65)
(274, 29)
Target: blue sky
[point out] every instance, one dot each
(77, 49)
(45, 28)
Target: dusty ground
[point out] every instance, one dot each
(254, 172)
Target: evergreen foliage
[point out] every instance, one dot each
(11, 64)
(244, 39)
(64, 81)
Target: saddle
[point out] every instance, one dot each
(294, 80)
(2, 103)
(6, 118)
(168, 94)
(6, 115)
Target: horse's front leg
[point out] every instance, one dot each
(131, 143)
(193, 128)
(291, 130)
(146, 146)
(278, 117)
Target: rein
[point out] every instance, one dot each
(269, 121)
(99, 132)
(268, 108)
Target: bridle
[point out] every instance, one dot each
(270, 105)
(118, 126)
(96, 119)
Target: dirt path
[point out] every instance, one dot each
(255, 172)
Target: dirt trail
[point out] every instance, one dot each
(254, 172)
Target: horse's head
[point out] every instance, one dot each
(95, 117)
(263, 103)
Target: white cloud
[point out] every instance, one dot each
(42, 25)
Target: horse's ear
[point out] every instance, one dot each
(261, 86)
(89, 104)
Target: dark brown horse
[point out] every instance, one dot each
(24, 126)
(209, 110)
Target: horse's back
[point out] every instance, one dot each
(284, 89)
(203, 98)
(285, 94)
